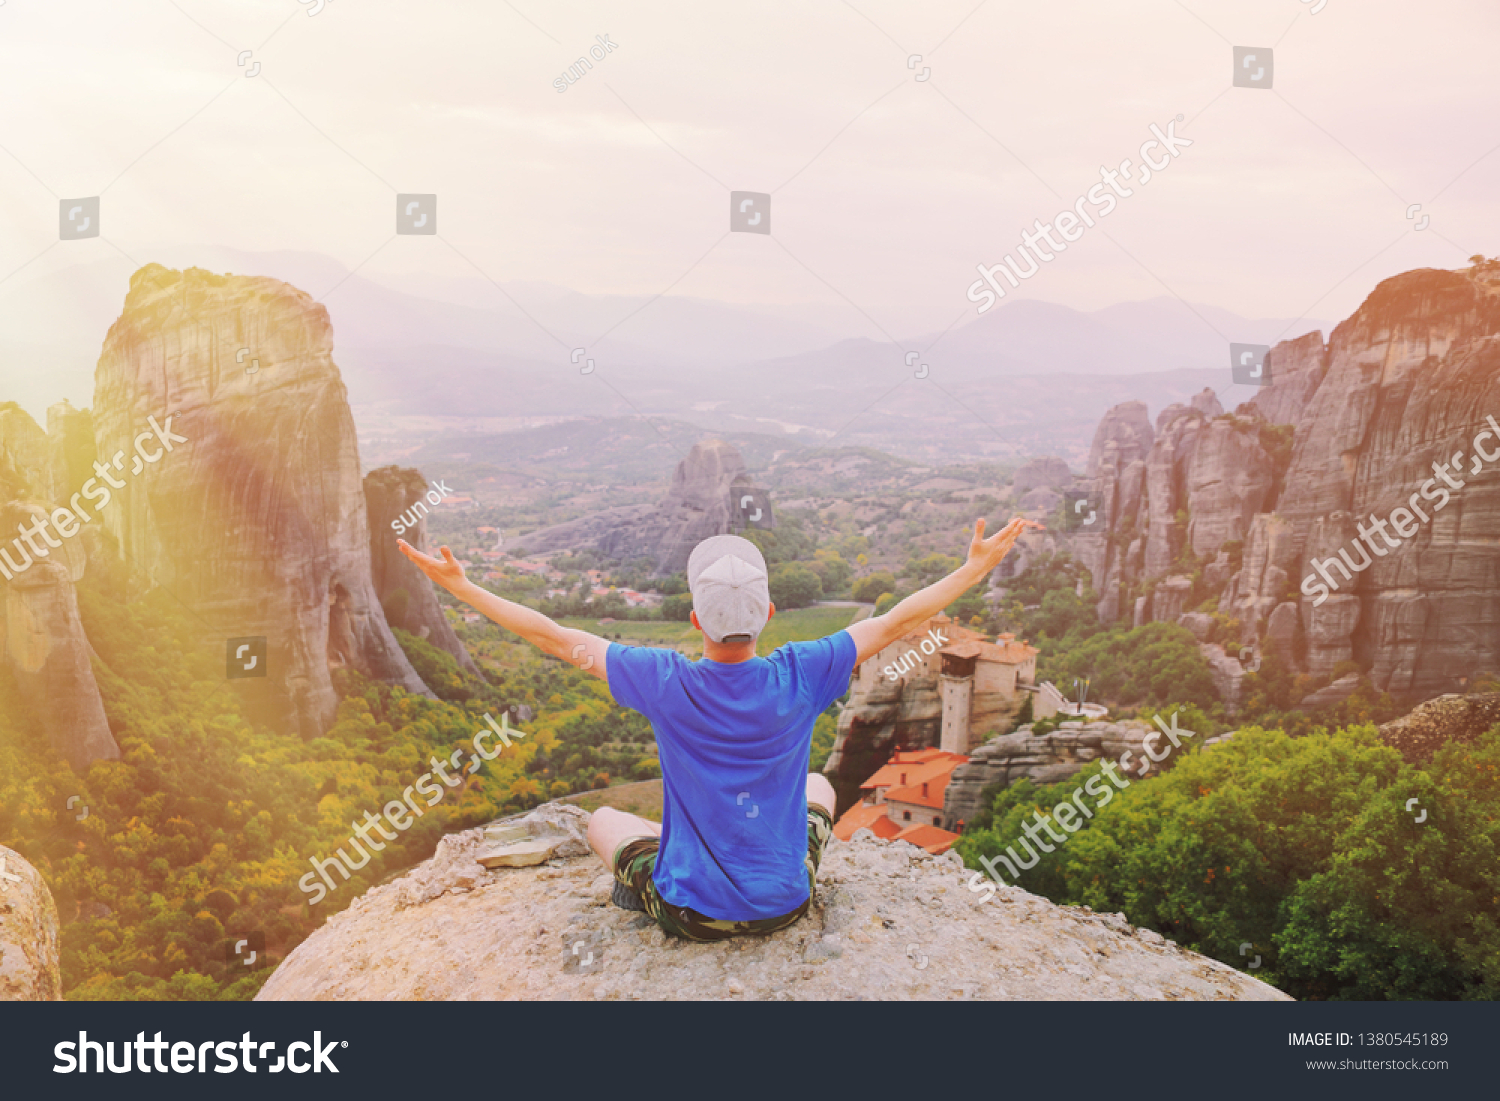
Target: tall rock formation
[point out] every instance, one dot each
(253, 517)
(29, 955)
(1048, 472)
(404, 591)
(1200, 484)
(1116, 481)
(1410, 380)
(43, 641)
(1296, 368)
(705, 498)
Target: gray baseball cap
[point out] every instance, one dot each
(731, 594)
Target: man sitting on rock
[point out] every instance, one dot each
(743, 826)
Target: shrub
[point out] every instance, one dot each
(794, 586)
(1302, 847)
(867, 590)
(677, 608)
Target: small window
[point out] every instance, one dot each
(937, 821)
(906, 816)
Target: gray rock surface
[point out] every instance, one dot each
(1296, 368)
(29, 969)
(1284, 630)
(1432, 725)
(1123, 436)
(1169, 600)
(522, 840)
(1043, 499)
(889, 922)
(1044, 759)
(1200, 623)
(1337, 692)
(1228, 674)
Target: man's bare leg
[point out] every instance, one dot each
(820, 792)
(610, 828)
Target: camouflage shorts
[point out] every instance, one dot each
(635, 861)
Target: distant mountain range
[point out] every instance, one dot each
(1027, 378)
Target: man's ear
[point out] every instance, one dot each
(693, 617)
(771, 604)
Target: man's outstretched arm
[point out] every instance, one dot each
(873, 635)
(579, 648)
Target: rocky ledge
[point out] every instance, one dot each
(1043, 759)
(890, 923)
(29, 970)
(1432, 725)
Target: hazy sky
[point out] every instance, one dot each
(887, 190)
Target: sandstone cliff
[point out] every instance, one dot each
(1408, 380)
(889, 922)
(29, 969)
(705, 499)
(43, 642)
(257, 521)
(405, 594)
(1202, 482)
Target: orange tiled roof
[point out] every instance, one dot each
(934, 840)
(864, 816)
(913, 794)
(1007, 653)
(934, 762)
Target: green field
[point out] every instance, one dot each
(803, 624)
(798, 625)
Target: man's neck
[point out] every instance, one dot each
(728, 653)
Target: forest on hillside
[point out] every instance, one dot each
(202, 829)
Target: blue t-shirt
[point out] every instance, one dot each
(734, 742)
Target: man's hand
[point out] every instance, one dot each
(588, 652)
(987, 553)
(446, 572)
(873, 635)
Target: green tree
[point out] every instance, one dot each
(1302, 847)
(929, 568)
(868, 589)
(825, 730)
(793, 585)
(677, 608)
(832, 570)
